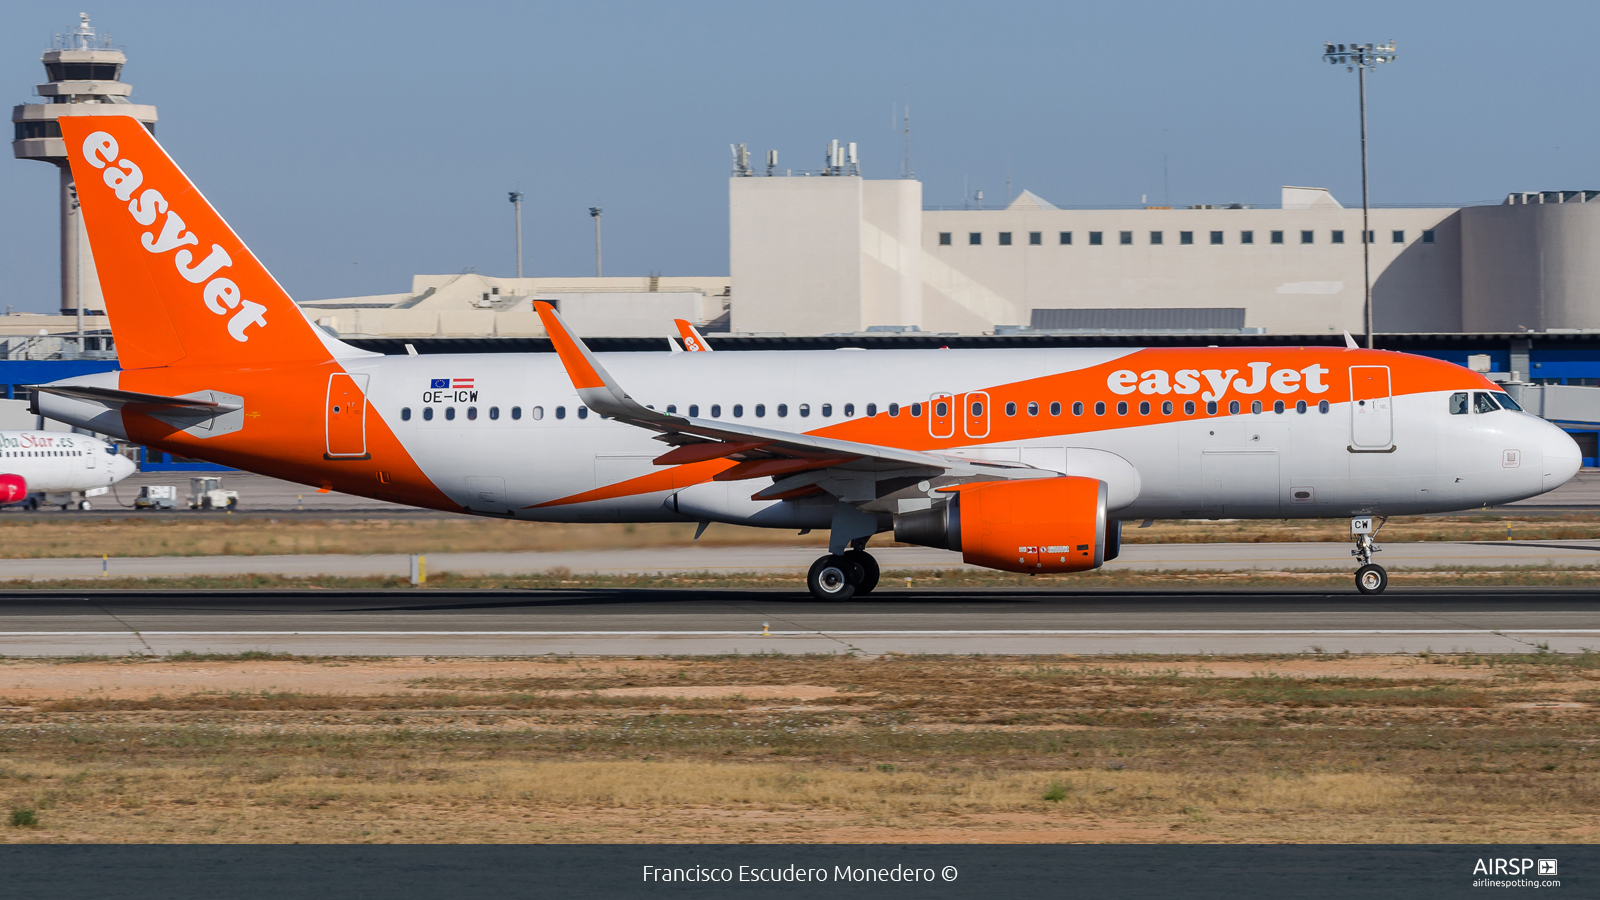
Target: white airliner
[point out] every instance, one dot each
(1025, 460)
(52, 466)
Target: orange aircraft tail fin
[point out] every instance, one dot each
(691, 336)
(179, 285)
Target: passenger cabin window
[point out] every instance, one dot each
(694, 410)
(849, 410)
(583, 412)
(449, 413)
(805, 410)
(783, 410)
(472, 413)
(1011, 408)
(1055, 408)
(538, 413)
(1458, 403)
(405, 414)
(1033, 408)
(761, 410)
(894, 410)
(827, 410)
(872, 409)
(716, 410)
(494, 412)
(516, 413)
(738, 410)
(561, 412)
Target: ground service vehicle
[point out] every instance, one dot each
(206, 492)
(55, 467)
(1025, 460)
(156, 496)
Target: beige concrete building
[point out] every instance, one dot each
(826, 254)
(473, 305)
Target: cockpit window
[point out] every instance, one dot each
(1483, 402)
(1458, 403)
(1507, 402)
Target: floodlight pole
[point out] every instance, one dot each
(1361, 58)
(516, 201)
(595, 212)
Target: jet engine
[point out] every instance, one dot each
(13, 489)
(1030, 525)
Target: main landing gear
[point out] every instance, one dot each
(1370, 578)
(838, 578)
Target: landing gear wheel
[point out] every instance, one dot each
(1371, 579)
(867, 569)
(832, 578)
(84, 504)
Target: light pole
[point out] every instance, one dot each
(516, 201)
(1360, 58)
(595, 212)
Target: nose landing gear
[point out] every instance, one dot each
(1371, 577)
(838, 578)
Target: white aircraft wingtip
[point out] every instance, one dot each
(1350, 342)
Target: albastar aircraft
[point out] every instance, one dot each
(1020, 459)
(51, 466)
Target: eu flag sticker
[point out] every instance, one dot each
(439, 383)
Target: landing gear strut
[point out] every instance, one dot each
(838, 578)
(1370, 578)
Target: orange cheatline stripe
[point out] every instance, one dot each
(582, 374)
(670, 479)
(761, 468)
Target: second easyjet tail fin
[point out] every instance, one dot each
(691, 336)
(180, 287)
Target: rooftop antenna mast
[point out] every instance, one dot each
(900, 122)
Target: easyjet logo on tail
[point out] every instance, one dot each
(221, 294)
(1220, 381)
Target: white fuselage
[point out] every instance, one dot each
(56, 462)
(1263, 465)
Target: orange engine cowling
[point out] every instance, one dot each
(1030, 525)
(13, 489)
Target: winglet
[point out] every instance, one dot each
(691, 337)
(598, 390)
(1350, 342)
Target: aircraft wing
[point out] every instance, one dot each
(786, 456)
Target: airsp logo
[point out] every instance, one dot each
(1500, 866)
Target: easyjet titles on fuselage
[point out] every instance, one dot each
(221, 295)
(1188, 381)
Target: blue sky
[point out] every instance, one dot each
(353, 145)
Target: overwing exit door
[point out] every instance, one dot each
(1371, 413)
(942, 416)
(346, 416)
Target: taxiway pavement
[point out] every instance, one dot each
(663, 622)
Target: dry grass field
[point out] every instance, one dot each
(61, 535)
(802, 749)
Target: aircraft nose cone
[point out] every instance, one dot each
(121, 467)
(1561, 457)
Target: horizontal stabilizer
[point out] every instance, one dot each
(116, 398)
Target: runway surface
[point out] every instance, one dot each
(795, 560)
(645, 622)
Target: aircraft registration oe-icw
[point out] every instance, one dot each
(1025, 460)
(51, 466)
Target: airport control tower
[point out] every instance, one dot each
(84, 73)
